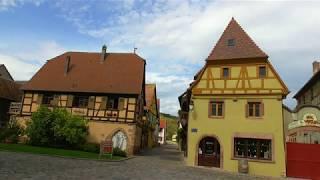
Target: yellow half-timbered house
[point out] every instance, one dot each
(106, 88)
(235, 109)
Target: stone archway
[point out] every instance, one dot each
(119, 139)
(209, 152)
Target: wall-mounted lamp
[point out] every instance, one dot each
(191, 105)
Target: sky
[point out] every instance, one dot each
(174, 36)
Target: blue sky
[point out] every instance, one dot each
(174, 36)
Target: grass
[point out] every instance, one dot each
(54, 152)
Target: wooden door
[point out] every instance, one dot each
(209, 152)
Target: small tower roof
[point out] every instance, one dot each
(235, 43)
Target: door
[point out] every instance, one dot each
(209, 152)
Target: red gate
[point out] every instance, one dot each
(303, 160)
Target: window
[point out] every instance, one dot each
(253, 148)
(231, 42)
(47, 99)
(216, 108)
(226, 72)
(112, 103)
(262, 72)
(80, 101)
(254, 109)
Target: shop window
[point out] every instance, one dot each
(216, 109)
(80, 101)
(253, 148)
(255, 109)
(262, 72)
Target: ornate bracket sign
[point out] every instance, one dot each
(307, 120)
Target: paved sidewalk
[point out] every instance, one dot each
(165, 162)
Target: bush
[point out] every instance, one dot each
(90, 147)
(57, 128)
(11, 132)
(118, 152)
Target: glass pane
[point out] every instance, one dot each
(257, 109)
(225, 72)
(265, 149)
(252, 148)
(220, 109)
(209, 147)
(262, 71)
(250, 109)
(240, 147)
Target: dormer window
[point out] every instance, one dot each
(231, 42)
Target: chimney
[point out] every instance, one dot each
(134, 50)
(103, 53)
(67, 65)
(316, 66)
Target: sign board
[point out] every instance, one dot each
(106, 147)
(307, 120)
(194, 130)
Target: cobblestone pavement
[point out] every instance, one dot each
(159, 163)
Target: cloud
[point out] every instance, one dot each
(24, 61)
(7, 4)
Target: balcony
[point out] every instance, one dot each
(15, 108)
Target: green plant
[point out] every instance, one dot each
(57, 128)
(11, 132)
(118, 152)
(90, 147)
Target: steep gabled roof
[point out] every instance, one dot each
(150, 94)
(243, 46)
(9, 90)
(313, 80)
(120, 73)
(4, 73)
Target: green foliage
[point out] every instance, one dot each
(11, 132)
(172, 125)
(118, 152)
(90, 147)
(57, 128)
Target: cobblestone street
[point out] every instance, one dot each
(165, 162)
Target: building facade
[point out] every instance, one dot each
(151, 116)
(162, 131)
(235, 109)
(303, 123)
(108, 89)
(9, 93)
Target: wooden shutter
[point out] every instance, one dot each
(262, 109)
(121, 104)
(103, 104)
(55, 100)
(91, 102)
(247, 110)
(39, 100)
(70, 101)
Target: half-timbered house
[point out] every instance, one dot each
(106, 88)
(235, 109)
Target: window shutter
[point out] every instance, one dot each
(91, 102)
(121, 104)
(103, 103)
(247, 110)
(55, 100)
(262, 109)
(70, 101)
(39, 100)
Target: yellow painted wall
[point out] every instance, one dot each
(235, 121)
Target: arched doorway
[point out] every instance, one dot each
(120, 141)
(209, 152)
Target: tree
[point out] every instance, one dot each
(56, 127)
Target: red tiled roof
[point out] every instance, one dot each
(244, 46)
(121, 73)
(150, 94)
(9, 90)
(163, 123)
